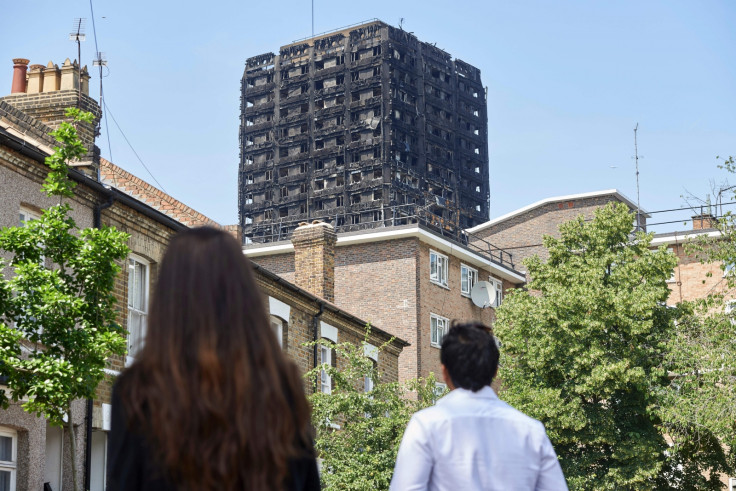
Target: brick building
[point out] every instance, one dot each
(40, 452)
(408, 279)
(693, 279)
(362, 127)
(520, 232)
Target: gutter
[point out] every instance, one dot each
(20, 146)
(96, 223)
(315, 337)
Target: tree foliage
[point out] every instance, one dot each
(585, 350)
(700, 409)
(359, 432)
(57, 316)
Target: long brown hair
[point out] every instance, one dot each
(221, 405)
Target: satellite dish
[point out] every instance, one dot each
(483, 294)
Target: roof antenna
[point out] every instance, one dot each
(401, 23)
(312, 19)
(78, 35)
(636, 158)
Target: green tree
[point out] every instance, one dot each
(584, 350)
(57, 315)
(359, 431)
(700, 405)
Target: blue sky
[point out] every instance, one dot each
(567, 82)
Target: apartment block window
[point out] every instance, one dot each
(8, 458)
(468, 278)
(438, 328)
(137, 304)
(498, 286)
(438, 268)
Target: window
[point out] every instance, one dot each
(438, 268)
(8, 458)
(728, 268)
(498, 286)
(439, 326)
(137, 304)
(439, 390)
(368, 383)
(672, 278)
(325, 355)
(468, 278)
(27, 214)
(277, 325)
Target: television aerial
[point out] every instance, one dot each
(483, 294)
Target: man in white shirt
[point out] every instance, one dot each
(471, 440)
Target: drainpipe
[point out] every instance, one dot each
(96, 223)
(315, 336)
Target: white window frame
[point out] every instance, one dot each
(732, 484)
(498, 286)
(468, 279)
(277, 325)
(438, 267)
(26, 214)
(131, 310)
(673, 277)
(10, 465)
(325, 356)
(438, 327)
(368, 382)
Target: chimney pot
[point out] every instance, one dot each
(51, 78)
(20, 68)
(35, 79)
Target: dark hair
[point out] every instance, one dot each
(221, 404)
(470, 354)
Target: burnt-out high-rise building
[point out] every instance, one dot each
(362, 127)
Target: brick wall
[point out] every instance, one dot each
(378, 282)
(387, 284)
(694, 279)
(300, 329)
(446, 302)
(521, 235)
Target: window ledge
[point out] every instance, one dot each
(439, 284)
(466, 295)
(434, 345)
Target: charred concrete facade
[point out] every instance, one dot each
(364, 127)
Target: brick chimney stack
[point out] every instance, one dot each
(704, 221)
(20, 68)
(45, 92)
(314, 258)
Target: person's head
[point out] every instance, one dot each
(469, 355)
(211, 387)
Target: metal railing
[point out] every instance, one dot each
(383, 217)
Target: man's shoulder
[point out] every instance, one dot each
(462, 403)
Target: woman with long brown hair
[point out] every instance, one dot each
(210, 402)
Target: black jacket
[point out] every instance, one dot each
(131, 465)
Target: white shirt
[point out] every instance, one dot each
(474, 441)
